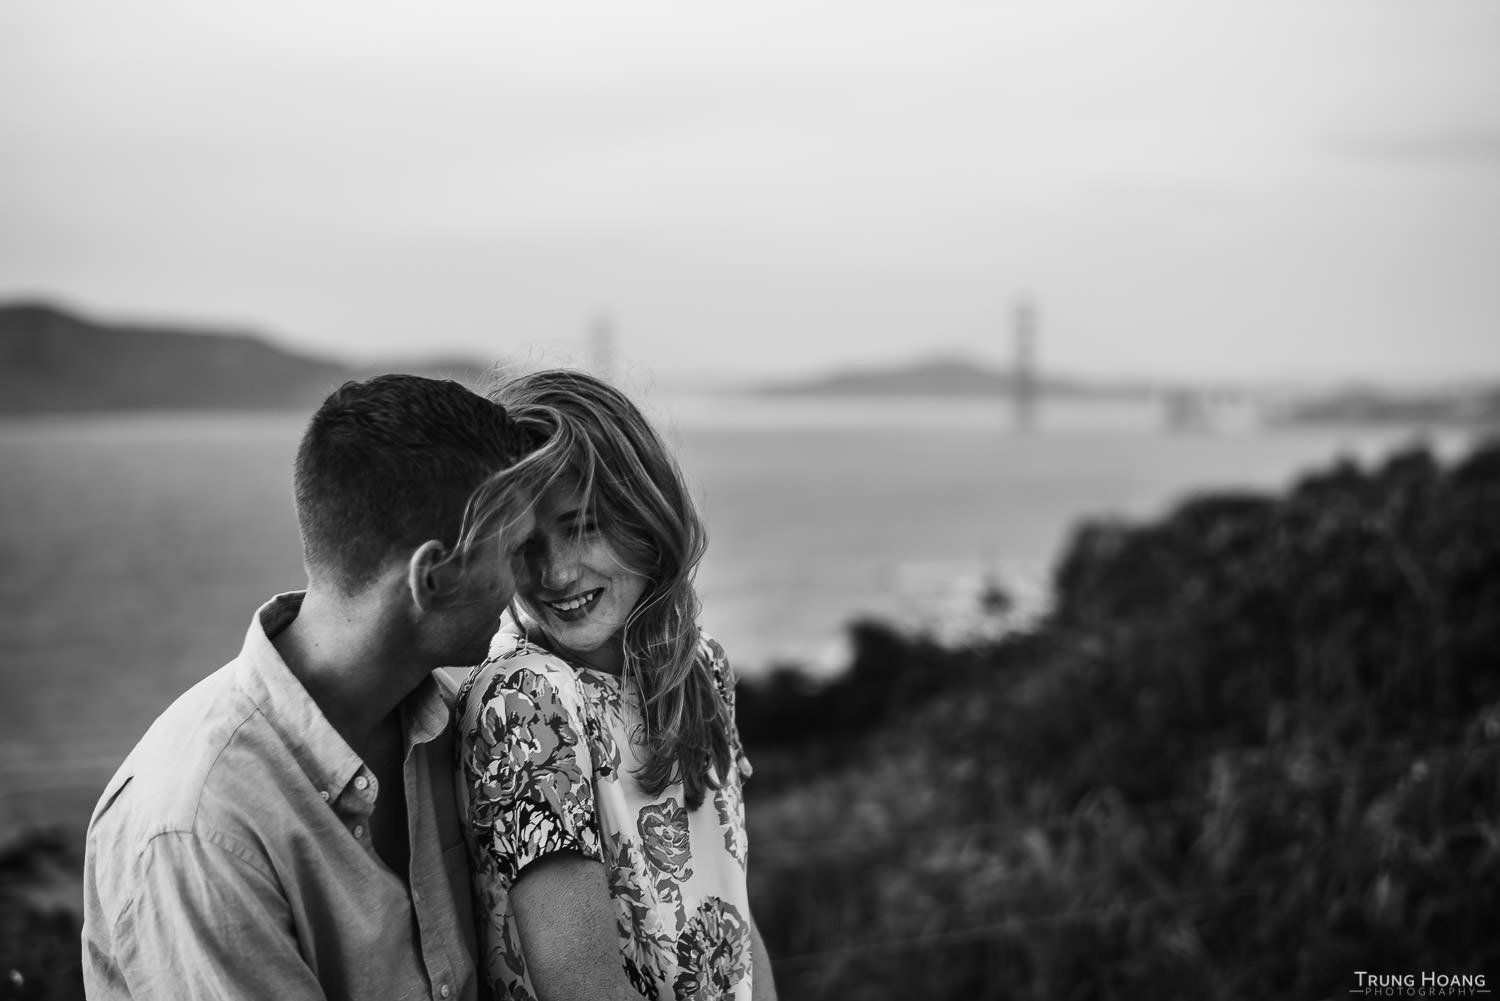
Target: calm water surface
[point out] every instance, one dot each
(137, 547)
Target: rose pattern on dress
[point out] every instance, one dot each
(665, 837)
(507, 953)
(646, 937)
(729, 803)
(532, 794)
(548, 761)
(712, 952)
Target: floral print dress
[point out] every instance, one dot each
(547, 764)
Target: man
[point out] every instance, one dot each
(286, 829)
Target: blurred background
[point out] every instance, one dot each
(1092, 406)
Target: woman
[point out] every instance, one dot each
(600, 770)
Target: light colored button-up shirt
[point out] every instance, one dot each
(230, 856)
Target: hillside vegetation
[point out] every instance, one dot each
(1254, 749)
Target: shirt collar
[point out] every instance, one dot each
(427, 712)
(320, 750)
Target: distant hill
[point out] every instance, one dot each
(1477, 406)
(939, 377)
(54, 361)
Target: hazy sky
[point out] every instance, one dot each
(1260, 189)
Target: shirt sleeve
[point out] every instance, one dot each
(205, 922)
(724, 681)
(529, 769)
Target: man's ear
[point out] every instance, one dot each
(431, 576)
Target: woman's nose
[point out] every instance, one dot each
(557, 567)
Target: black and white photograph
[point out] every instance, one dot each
(816, 501)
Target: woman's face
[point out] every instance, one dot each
(574, 584)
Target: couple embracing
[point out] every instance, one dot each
(331, 816)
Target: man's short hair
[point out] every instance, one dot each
(389, 463)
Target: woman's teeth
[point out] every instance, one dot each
(574, 604)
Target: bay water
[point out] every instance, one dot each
(137, 547)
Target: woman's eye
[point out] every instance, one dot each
(583, 527)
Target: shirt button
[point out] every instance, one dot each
(445, 990)
(359, 830)
(324, 794)
(361, 782)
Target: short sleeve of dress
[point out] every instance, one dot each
(528, 767)
(724, 681)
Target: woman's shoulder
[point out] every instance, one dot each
(526, 669)
(537, 662)
(718, 661)
(512, 641)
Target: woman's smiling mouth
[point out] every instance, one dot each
(576, 606)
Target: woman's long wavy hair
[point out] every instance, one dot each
(632, 486)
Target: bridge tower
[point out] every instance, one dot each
(1024, 371)
(602, 347)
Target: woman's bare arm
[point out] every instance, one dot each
(569, 931)
(762, 982)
